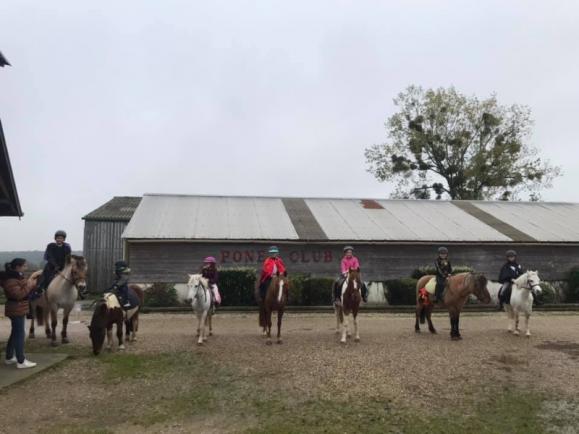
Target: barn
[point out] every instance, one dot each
(169, 235)
(9, 202)
(103, 244)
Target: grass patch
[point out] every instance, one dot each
(73, 429)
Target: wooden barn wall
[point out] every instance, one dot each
(102, 247)
(171, 261)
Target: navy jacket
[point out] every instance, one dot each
(56, 255)
(510, 271)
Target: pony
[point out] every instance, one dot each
(107, 313)
(199, 295)
(276, 298)
(351, 299)
(62, 292)
(522, 300)
(458, 288)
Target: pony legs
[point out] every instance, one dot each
(201, 318)
(344, 329)
(356, 334)
(528, 332)
(119, 334)
(279, 317)
(268, 314)
(338, 321)
(53, 324)
(63, 333)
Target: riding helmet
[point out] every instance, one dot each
(348, 248)
(511, 253)
(122, 267)
(209, 260)
(442, 250)
(60, 233)
(273, 249)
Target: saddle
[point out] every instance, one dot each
(111, 300)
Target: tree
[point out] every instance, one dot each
(459, 147)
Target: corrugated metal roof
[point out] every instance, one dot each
(207, 217)
(119, 208)
(544, 221)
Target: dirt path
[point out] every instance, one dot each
(391, 364)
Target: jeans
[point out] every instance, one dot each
(16, 341)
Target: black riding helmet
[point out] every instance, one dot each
(122, 267)
(60, 233)
(511, 253)
(442, 250)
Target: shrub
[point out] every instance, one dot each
(549, 293)
(237, 286)
(402, 291)
(296, 289)
(573, 285)
(161, 295)
(429, 269)
(317, 291)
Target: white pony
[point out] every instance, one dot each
(522, 300)
(200, 296)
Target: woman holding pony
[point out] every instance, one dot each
(17, 288)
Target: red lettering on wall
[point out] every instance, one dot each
(294, 256)
(224, 256)
(328, 256)
(249, 256)
(237, 256)
(304, 260)
(317, 256)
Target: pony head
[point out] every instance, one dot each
(480, 287)
(78, 272)
(533, 281)
(196, 282)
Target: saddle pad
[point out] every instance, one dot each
(111, 300)
(431, 286)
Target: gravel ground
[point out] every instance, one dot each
(390, 363)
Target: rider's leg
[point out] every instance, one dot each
(364, 292)
(439, 289)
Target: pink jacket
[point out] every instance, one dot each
(349, 263)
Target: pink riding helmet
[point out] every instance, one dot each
(209, 260)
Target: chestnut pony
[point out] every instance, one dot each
(458, 289)
(276, 298)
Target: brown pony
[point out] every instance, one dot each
(108, 313)
(458, 289)
(276, 298)
(351, 299)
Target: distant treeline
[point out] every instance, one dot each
(35, 258)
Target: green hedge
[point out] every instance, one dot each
(401, 291)
(429, 269)
(548, 294)
(237, 286)
(161, 295)
(573, 285)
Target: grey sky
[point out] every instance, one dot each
(239, 97)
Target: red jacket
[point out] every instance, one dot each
(270, 267)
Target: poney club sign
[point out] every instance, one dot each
(289, 255)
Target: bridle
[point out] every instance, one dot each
(200, 284)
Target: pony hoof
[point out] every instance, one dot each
(199, 344)
(455, 338)
(122, 347)
(268, 342)
(433, 331)
(343, 342)
(279, 341)
(528, 335)
(516, 333)
(210, 333)
(357, 339)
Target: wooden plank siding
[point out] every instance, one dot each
(102, 247)
(171, 261)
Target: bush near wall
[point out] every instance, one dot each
(430, 270)
(237, 286)
(401, 291)
(161, 295)
(317, 291)
(573, 286)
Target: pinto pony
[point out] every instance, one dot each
(276, 298)
(351, 299)
(522, 300)
(458, 289)
(62, 293)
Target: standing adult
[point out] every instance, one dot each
(17, 288)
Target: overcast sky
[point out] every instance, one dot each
(254, 98)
